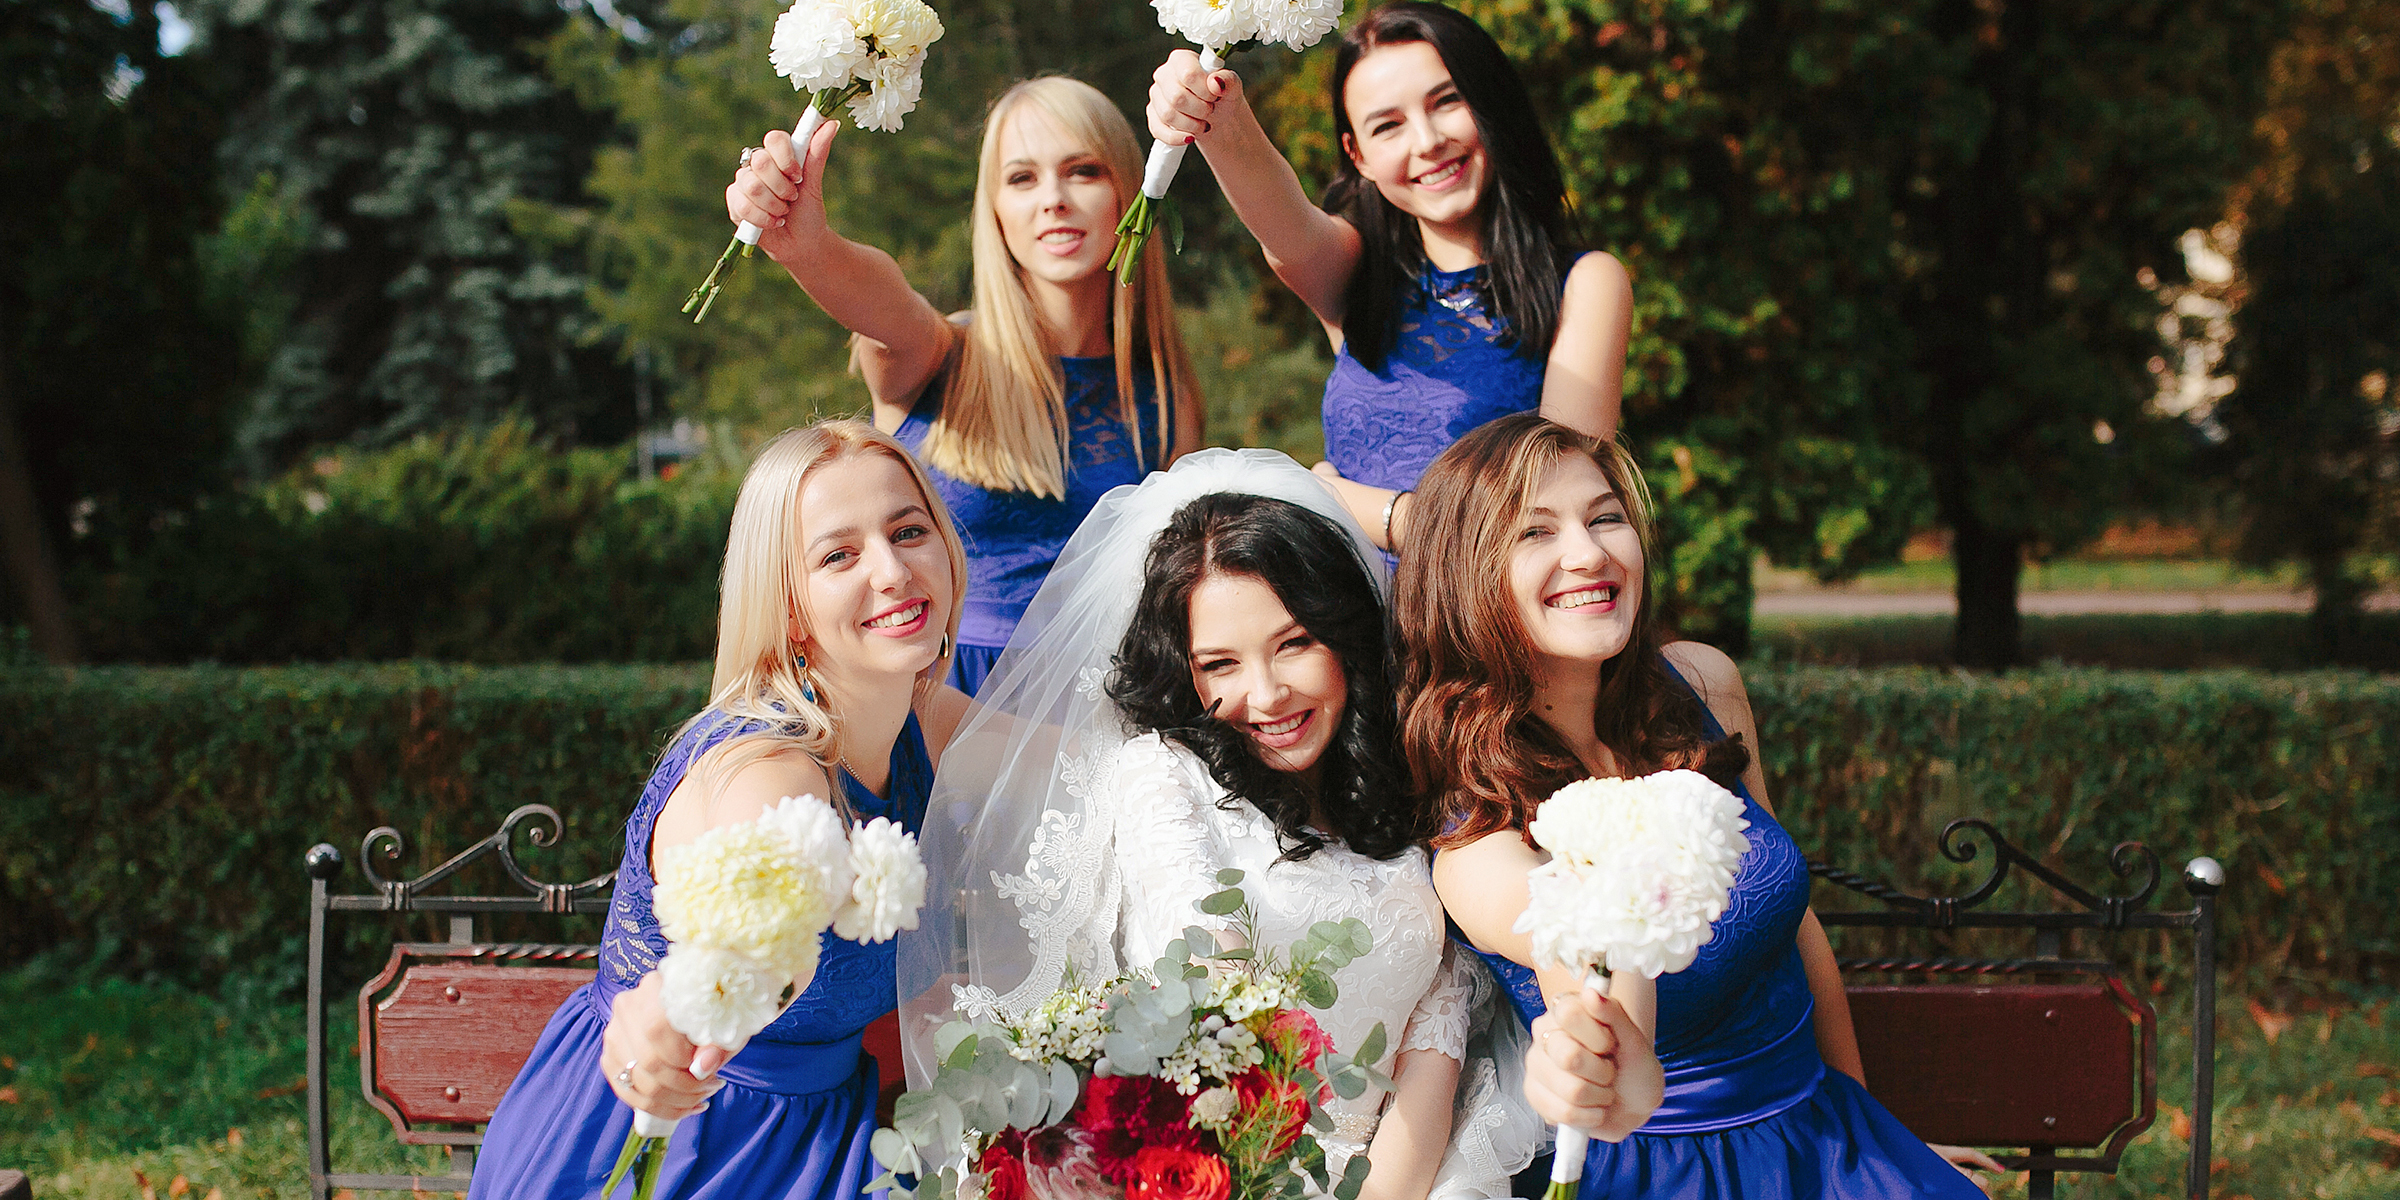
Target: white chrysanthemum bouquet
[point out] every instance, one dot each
(868, 54)
(1639, 872)
(744, 909)
(1215, 26)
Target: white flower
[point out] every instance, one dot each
(764, 889)
(816, 45)
(897, 82)
(1214, 1109)
(1298, 24)
(894, 28)
(887, 883)
(716, 997)
(1209, 23)
(1640, 870)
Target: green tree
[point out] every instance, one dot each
(113, 377)
(381, 149)
(2313, 425)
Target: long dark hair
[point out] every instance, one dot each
(1479, 754)
(1526, 239)
(1312, 567)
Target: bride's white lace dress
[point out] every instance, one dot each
(1174, 830)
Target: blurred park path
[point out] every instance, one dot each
(1846, 602)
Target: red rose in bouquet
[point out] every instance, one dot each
(1126, 1113)
(1003, 1166)
(1293, 1038)
(1164, 1174)
(1273, 1112)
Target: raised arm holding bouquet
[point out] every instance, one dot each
(868, 54)
(1215, 26)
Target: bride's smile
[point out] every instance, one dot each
(1262, 672)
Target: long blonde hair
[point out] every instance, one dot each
(763, 592)
(1003, 423)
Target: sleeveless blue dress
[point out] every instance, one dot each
(1013, 538)
(1446, 374)
(799, 1101)
(1751, 1110)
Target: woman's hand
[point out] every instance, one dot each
(1964, 1157)
(670, 1076)
(781, 193)
(1591, 1067)
(1184, 98)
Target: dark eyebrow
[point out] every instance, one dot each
(846, 532)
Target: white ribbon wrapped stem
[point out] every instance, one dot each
(1165, 160)
(658, 1127)
(749, 235)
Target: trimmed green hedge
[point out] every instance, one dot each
(156, 817)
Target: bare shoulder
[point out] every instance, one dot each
(1711, 673)
(756, 783)
(939, 716)
(1599, 274)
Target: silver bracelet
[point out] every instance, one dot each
(1389, 507)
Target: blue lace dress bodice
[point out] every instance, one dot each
(1750, 1108)
(854, 983)
(1446, 374)
(798, 1106)
(1013, 538)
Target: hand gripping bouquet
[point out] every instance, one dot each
(1215, 26)
(1200, 1079)
(868, 54)
(1639, 872)
(744, 908)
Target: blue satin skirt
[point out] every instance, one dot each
(1773, 1123)
(792, 1121)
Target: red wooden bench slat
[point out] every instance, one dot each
(2015, 1065)
(450, 1039)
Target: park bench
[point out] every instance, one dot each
(2045, 1052)
(445, 1026)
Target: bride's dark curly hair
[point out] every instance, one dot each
(1313, 567)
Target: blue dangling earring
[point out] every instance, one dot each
(808, 687)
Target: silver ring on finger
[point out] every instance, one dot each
(747, 151)
(625, 1076)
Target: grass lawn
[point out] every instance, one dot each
(108, 1088)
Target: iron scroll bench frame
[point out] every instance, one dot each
(324, 865)
(2113, 914)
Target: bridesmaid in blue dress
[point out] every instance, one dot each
(1061, 386)
(1533, 657)
(829, 688)
(1440, 265)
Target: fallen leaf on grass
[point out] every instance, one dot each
(2386, 1136)
(233, 1139)
(300, 1085)
(179, 1186)
(2274, 881)
(7, 1063)
(2270, 1023)
(2376, 1071)
(2179, 1122)
(214, 1194)
(8, 1095)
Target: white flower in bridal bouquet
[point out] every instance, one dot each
(745, 909)
(868, 54)
(1215, 26)
(1639, 872)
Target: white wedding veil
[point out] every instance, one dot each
(1023, 891)
(1017, 837)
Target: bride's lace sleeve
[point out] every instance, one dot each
(1440, 1020)
(1165, 850)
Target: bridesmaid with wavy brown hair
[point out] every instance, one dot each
(1532, 655)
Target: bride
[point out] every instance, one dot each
(1202, 684)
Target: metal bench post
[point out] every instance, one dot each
(323, 863)
(2203, 877)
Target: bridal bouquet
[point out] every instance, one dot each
(868, 54)
(1215, 26)
(1639, 872)
(744, 908)
(1180, 1083)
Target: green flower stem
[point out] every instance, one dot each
(823, 101)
